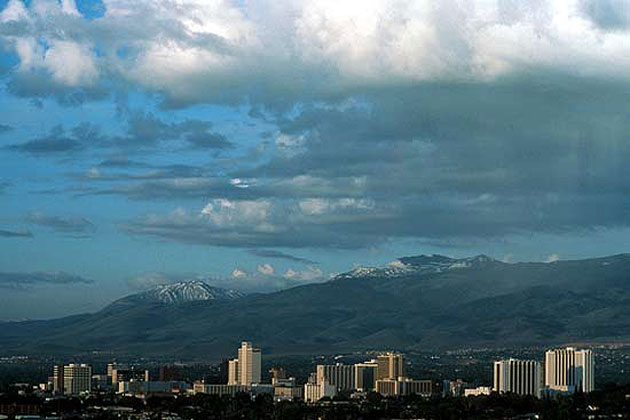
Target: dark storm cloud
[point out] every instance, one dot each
(21, 281)
(15, 234)
(268, 253)
(71, 226)
(537, 153)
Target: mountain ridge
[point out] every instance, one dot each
(421, 307)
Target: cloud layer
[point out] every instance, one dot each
(384, 120)
(22, 281)
(276, 52)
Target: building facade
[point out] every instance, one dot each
(390, 366)
(365, 375)
(339, 375)
(314, 392)
(522, 377)
(569, 370)
(246, 369)
(77, 378)
(403, 386)
(233, 372)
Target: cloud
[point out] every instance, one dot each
(145, 129)
(142, 130)
(59, 142)
(552, 258)
(24, 281)
(265, 269)
(259, 223)
(281, 52)
(607, 14)
(268, 253)
(148, 281)
(15, 234)
(71, 226)
(263, 280)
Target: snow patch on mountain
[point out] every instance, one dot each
(422, 264)
(190, 291)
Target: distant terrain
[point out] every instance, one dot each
(417, 303)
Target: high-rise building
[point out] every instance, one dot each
(390, 366)
(233, 372)
(58, 382)
(569, 370)
(339, 375)
(77, 378)
(521, 377)
(246, 370)
(365, 375)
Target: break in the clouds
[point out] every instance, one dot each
(25, 281)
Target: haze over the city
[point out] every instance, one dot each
(259, 145)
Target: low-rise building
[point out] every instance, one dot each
(404, 386)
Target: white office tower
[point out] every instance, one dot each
(77, 378)
(249, 364)
(569, 370)
(339, 375)
(522, 377)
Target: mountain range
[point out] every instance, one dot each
(423, 302)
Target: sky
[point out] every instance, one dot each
(260, 145)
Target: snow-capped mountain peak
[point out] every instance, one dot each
(181, 292)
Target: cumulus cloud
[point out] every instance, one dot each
(21, 281)
(282, 51)
(265, 269)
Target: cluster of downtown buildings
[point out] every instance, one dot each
(565, 370)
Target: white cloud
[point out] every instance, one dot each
(265, 269)
(71, 63)
(238, 273)
(225, 213)
(309, 275)
(552, 258)
(190, 49)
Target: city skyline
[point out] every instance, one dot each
(262, 145)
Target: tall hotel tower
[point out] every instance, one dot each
(245, 370)
(569, 370)
(390, 366)
(521, 377)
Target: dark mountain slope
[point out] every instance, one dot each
(422, 304)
